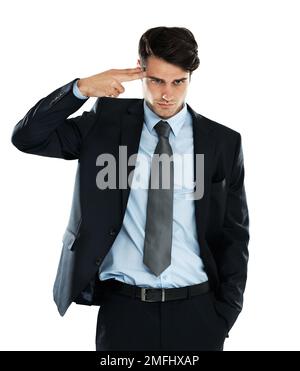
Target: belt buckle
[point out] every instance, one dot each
(144, 294)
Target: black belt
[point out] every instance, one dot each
(150, 294)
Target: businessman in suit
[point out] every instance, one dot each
(166, 265)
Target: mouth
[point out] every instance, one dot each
(165, 105)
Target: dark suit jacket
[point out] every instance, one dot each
(96, 216)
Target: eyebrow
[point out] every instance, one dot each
(157, 78)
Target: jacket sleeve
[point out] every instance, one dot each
(46, 129)
(232, 253)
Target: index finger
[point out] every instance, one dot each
(130, 74)
(129, 70)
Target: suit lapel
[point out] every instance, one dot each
(203, 144)
(131, 130)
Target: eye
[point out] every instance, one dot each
(178, 82)
(154, 81)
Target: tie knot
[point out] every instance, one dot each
(163, 129)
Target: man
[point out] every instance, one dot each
(167, 265)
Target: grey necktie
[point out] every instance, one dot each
(158, 230)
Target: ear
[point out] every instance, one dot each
(139, 64)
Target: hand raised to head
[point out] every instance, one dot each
(109, 83)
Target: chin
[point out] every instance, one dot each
(163, 114)
(167, 114)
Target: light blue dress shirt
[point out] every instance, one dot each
(77, 92)
(124, 261)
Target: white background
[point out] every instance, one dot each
(248, 80)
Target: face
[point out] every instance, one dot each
(164, 87)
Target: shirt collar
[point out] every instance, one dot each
(176, 121)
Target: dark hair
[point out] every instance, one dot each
(175, 45)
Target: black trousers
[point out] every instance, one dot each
(127, 323)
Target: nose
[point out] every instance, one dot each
(167, 93)
(167, 97)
